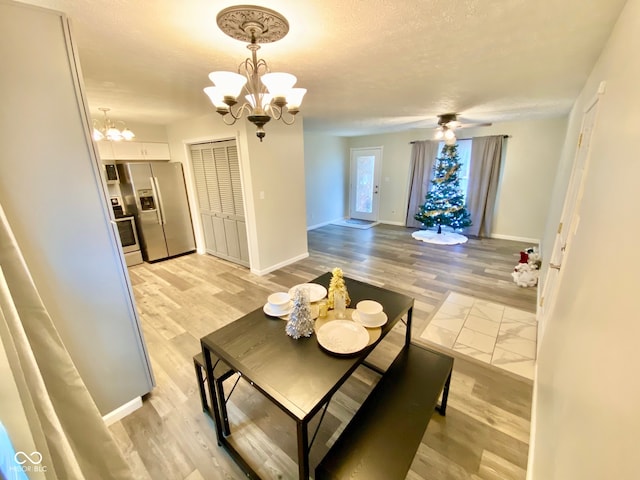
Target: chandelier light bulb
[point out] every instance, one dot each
(217, 98)
(229, 83)
(279, 84)
(294, 99)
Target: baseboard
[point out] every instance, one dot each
(515, 238)
(122, 411)
(323, 224)
(270, 269)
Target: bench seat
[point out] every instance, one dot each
(382, 438)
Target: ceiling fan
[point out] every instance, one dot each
(448, 123)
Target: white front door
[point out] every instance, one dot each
(570, 217)
(364, 183)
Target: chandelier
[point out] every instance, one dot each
(268, 95)
(109, 130)
(447, 124)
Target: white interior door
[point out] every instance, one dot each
(364, 183)
(570, 217)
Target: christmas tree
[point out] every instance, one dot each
(337, 285)
(444, 203)
(300, 322)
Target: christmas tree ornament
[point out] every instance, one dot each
(300, 323)
(337, 285)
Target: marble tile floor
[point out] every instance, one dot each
(487, 331)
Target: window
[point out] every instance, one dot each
(464, 154)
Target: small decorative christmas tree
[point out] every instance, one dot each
(300, 323)
(444, 203)
(337, 285)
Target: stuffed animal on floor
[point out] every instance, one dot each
(525, 274)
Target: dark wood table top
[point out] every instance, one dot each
(298, 375)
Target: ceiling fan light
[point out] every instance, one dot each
(453, 124)
(450, 141)
(439, 135)
(449, 135)
(294, 98)
(229, 83)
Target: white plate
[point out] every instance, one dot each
(343, 336)
(316, 292)
(272, 312)
(378, 320)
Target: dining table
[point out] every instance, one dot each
(299, 376)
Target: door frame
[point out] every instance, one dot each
(377, 152)
(570, 216)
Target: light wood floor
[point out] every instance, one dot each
(486, 430)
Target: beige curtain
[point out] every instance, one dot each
(65, 424)
(423, 156)
(484, 173)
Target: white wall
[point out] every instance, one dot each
(326, 164)
(532, 153)
(273, 182)
(585, 422)
(531, 159)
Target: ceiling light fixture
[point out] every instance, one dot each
(269, 95)
(446, 125)
(108, 129)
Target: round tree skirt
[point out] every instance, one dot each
(444, 238)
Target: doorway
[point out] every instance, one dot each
(364, 184)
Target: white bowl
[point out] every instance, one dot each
(368, 311)
(279, 300)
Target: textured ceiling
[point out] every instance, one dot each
(369, 65)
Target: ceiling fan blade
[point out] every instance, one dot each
(474, 125)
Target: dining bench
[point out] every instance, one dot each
(383, 436)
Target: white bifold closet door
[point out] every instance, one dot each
(216, 170)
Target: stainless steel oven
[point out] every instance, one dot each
(129, 240)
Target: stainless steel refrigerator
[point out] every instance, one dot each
(156, 194)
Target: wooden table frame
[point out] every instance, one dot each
(246, 342)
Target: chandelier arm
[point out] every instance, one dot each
(237, 114)
(284, 119)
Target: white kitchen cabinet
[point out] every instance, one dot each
(140, 151)
(105, 150)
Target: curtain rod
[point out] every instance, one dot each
(414, 141)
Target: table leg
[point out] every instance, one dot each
(214, 395)
(303, 450)
(408, 334)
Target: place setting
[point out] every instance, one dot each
(310, 307)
